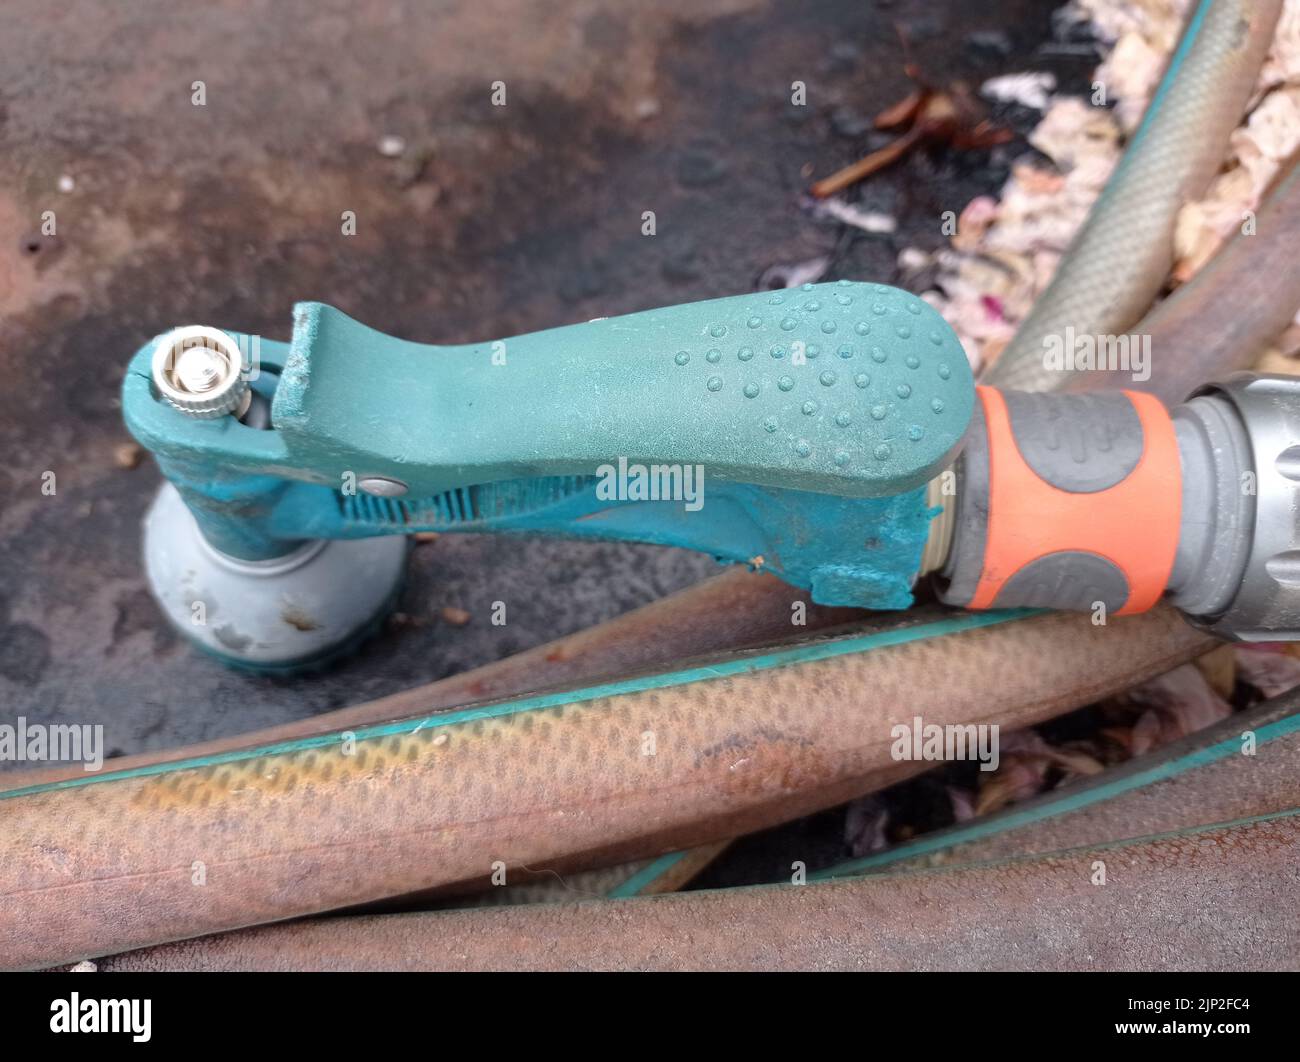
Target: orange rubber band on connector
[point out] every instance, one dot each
(1134, 524)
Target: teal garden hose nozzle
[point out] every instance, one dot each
(796, 429)
(803, 431)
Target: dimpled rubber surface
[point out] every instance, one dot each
(829, 377)
(845, 388)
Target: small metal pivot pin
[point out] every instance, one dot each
(382, 486)
(199, 371)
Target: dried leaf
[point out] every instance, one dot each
(1179, 702)
(1270, 670)
(1018, 777)
(864, 826)
(963, 803)
(899, 114)
(873, 221)
(974, 221)
(1032, 89)
(794, 274)
(1147, 734)
(1219, 666)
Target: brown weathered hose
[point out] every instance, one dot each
(137, 859)
(1217, 899)
(736, 609)
(1123, 253)
(1225, 317)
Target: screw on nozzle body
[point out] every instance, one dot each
(199, 371)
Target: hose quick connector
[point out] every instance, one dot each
(1238, 572)
(1065, 501)
(1076, 502)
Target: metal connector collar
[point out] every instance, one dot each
(1266, 605)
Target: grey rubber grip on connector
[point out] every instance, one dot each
(1076, 443)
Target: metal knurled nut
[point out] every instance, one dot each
(198, 370)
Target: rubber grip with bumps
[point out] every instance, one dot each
(855, 389)
(1067, 501)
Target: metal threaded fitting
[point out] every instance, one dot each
(939, 495)
(199, 371)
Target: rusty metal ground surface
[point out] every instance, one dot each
(495, 221)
